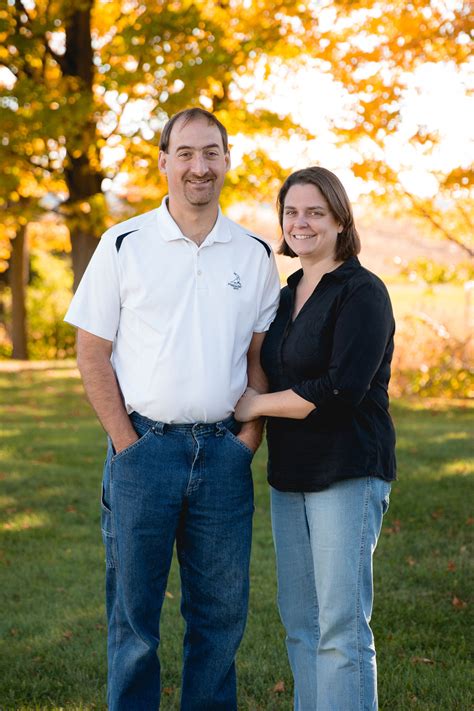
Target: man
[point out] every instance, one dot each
(171, 313)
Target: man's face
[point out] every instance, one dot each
(195, 164)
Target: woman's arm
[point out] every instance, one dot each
(283, 404)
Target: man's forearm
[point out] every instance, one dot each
(252, 432)
(103, 391)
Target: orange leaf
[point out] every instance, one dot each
(395, 528)
(279, 687)
(451, 566)
(458, 603)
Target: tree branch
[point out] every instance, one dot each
(448, 235)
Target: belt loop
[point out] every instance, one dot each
(159, 428)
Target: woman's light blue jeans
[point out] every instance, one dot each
(324, 544)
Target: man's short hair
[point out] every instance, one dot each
(332, 190)
(188, 115)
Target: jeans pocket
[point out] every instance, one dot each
(134, 445)
(233, 438)
(386, 498)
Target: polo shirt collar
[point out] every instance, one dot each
(342, 273)
(170, 231)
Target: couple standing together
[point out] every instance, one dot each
(184, 345)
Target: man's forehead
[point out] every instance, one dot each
(197, 133)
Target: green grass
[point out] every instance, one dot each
(52, 653)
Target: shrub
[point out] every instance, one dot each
(48, 297)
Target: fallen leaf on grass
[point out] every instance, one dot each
(411, 561)
(437, 514)
(458, 603)
(169, 594)
(470, 521)
(421, 660)
(395, 527)
(168, 690)
(451, 566)
(279, 687)
(68, 634)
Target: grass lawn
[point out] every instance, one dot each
(52, 653)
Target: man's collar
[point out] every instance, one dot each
(170, 231)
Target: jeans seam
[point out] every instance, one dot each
(116, 575)
(363, 542)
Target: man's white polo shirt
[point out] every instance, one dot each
(180, 316)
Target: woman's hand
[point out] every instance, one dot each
(247, 407)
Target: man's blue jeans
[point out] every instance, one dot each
(191, 484)
(324, 545)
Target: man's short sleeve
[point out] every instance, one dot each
(270, 297)
(95, 306)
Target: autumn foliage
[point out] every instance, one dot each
(86, 85)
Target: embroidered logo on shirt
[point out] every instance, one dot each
(235, 283)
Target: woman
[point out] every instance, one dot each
(331, 444)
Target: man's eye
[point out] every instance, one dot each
(186, 154)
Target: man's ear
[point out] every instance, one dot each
(162, 162)
(227, 161)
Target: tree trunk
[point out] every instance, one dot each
(82, 248)
(82, 166)
(17, 277)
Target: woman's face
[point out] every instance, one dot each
(309, 227)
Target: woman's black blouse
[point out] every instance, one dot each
(336, 354)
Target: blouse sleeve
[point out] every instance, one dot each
(363, 331)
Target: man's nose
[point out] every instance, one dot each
(199, 164)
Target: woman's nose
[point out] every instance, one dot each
(301, 221)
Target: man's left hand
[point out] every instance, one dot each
(251, 434)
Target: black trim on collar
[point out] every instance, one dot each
(264, 244)
(120, 239)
